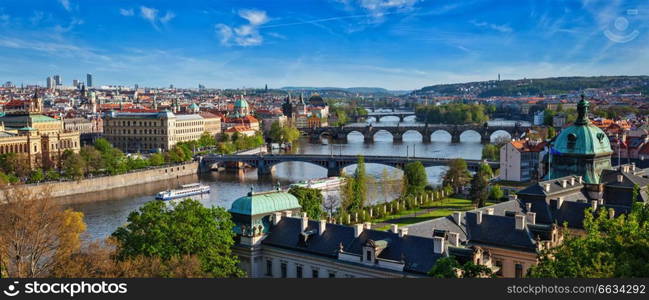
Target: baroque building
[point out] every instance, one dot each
(26, 131)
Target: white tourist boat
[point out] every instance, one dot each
(321, 183)
(185, 190)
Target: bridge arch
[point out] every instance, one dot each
(441, 133)
(465, 136)
(414, 132)
(500, 133)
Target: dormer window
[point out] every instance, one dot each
(368, 255)
(572, 139)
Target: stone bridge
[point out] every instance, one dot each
(339, 134)
(333, 163)
(378, 115)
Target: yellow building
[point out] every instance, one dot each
(24, 130)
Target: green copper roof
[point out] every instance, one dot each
(582, 138)
(241, 103)
(262, 203)
(42, 119)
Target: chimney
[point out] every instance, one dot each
(288, 213)
(632, 167)
(367, 226)
(478, 217)
(580, 179)
(322, 226)
(305, 221)
(600, 201)
(358, 229)
(531, 217)
(438, 245)
(403, 232)
(394, 228)
(547, 187)
(277, 216)
(528, 206)
(559, 202)
(594, 204)
(454, 239)
(520, 222)
(572, 180)
(489, 211)
(611, 213)
(620, 178)
(564, 183)
(457, 217)
(513, 196)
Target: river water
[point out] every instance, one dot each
(105, 211)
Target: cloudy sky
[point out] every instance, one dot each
(396, 44)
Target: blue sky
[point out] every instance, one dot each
(396, 44)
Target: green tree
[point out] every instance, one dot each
(15, 163)
(73, 164)
(496, 193)
(206, 140)
(449, 267)
(457, 175)
(480, 185)
(93, 158)
(359, 187)
(310, 200)
(551, 132)
(188, 228)
(610, 248)
(491, 152)
(36, 175)
(156, 159)
(415, 178)
(275, 133)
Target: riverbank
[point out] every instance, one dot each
(61, 189)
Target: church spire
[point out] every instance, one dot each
(582, 111)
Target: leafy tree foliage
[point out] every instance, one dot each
(611, 247)
(188, 228)
(496, 193)
(453, 113)
(73, 164)
(415, 178)
(283, 134)
(457, 175)
(311, 201)
(491, 152)
(480, 185)
(449, 267)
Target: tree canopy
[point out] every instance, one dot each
(415, 178)
(187, 228)
(611, 248)
(310, 200)
(457, 175)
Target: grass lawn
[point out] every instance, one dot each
(438, 209)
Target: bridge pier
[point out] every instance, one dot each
(455, 138)
(397, 138)
(485, 139)
(368, 138)
(426, 137)
(333, 169)
(401, 117)
(263, 169)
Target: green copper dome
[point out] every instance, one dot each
(241, 103)
(263, 203)
(580, 150)
(582, 138)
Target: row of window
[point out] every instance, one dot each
(185, 124)
(135, 131)
(299, 271)
(518, 269)
(136, 123)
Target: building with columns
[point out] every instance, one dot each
(40, 139)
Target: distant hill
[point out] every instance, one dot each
(539, 86)
(352, 90)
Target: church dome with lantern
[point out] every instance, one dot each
(581, 149)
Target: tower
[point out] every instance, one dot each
(581, 149)
(89, 80)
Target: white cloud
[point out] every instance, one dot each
(377, 9)
(243, 35)
(167, 17)
(151, 15)
(126, 12)
(148, 13)
(65, 4)
(501, 28)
